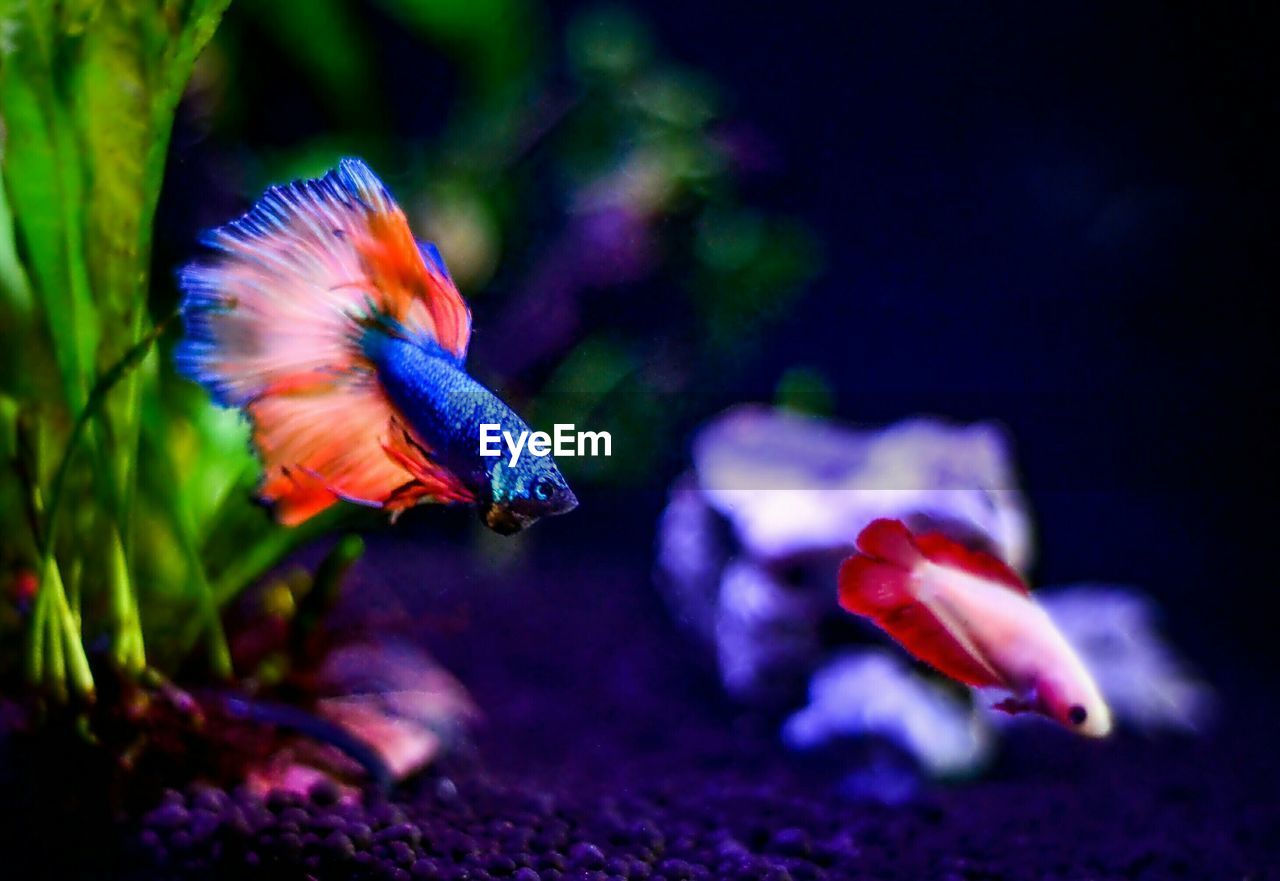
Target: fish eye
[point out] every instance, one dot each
(542, 489)
(1077, 714)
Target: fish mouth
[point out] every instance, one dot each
(1099, 723)
(510, 519)
(504, 521)
(566, 503)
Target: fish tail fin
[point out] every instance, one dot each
(275, 321)
(877, 579)
(879, 582)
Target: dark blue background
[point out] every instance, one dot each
(1055, 216)
(1058, 216)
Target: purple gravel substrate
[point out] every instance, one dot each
(1123, 816)
(607, 753)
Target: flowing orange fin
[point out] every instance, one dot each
(274, 322)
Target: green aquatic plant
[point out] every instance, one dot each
(128, 523)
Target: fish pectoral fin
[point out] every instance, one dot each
(1014, 705)
(429, 477)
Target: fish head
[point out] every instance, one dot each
(528, 491)
(1075, 703)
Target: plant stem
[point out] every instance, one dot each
(56, 663)
(210, 615)
(92, 407)
(73, 590)
(264, 554)
(219, 651)
(325, 589)
(70, 646)
(35, 638)
(127, 643)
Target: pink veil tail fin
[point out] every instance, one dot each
(276, 320)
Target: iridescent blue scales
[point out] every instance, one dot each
(343, 340)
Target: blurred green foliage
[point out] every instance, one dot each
(88, 91)
(805, 390)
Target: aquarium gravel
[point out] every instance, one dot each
(744, 823)
(613, 755)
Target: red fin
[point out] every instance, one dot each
(274, 319)
(416, 293)
(890, 541)
(296, 496)
(948, 552)
(309, 466)
(878, 583)
(429, 478)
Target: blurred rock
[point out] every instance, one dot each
(791, 484)
(872, 692)
(751, 540)
(1114, 629)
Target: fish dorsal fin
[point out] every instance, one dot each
(411, 279)
(431, 254)
(944, 551)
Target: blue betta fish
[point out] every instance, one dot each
(343, 340)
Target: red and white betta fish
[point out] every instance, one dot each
(343, 340)
(968, 615)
